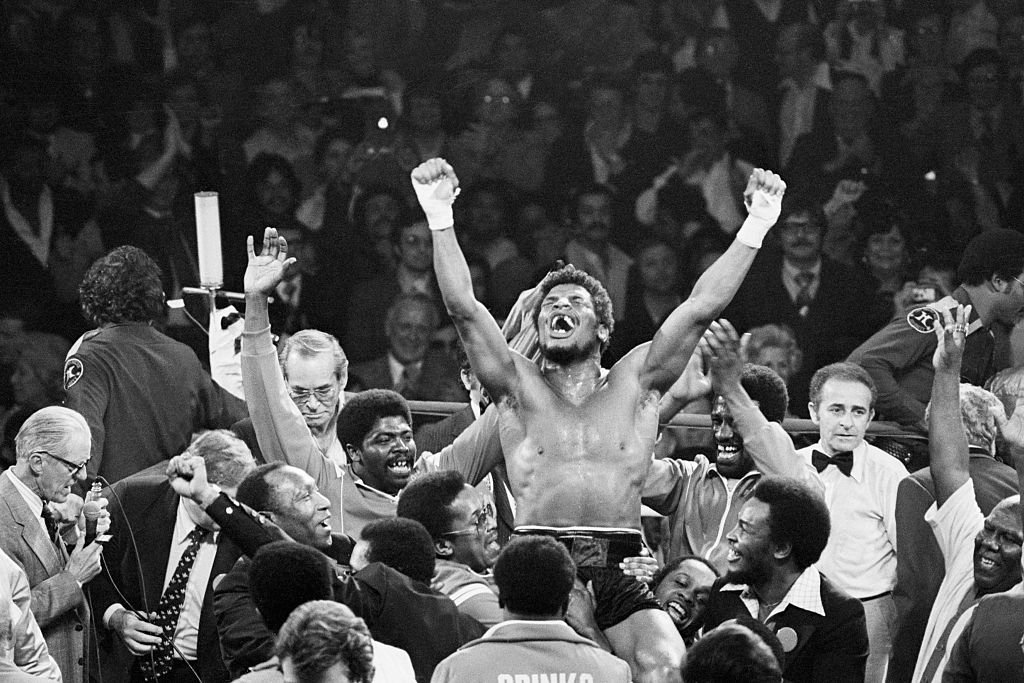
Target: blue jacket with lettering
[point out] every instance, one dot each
(531, 652)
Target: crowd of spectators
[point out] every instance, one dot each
(614, 135)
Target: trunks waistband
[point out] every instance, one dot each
(591, 546)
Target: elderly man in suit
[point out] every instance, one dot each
(164, 557)
(409, 365)
(52, 450)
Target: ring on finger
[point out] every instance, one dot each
(960, 327)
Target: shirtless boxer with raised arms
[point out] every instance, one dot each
(578, 441)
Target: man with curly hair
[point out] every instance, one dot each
(142, 393)
(577, 441)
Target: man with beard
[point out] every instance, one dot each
(982, 554)
(577, 441)
(771, 577)
(461, 521)
(702, 499)
(682, 588)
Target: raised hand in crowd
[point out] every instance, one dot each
(268, 269)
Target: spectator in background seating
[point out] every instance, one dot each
(409, 365)
(495, 146)
(654, 292)
(281, 132)
(824, 302)
(773, 346)
(803, 106)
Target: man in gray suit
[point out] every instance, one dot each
(52, 450)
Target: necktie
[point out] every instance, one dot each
(169, 609)
(804, 280)
(843, 461)
(51, 523)
(407, 382)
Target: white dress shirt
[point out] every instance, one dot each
(860, 556)
(186, 635)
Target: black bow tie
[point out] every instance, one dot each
(843, 461)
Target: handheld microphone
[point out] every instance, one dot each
(91, 510)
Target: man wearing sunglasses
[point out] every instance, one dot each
(465, 531)
(52, 449)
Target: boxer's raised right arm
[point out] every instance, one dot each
(436, 187)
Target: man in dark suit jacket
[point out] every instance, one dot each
(52, 450)
(399, 611)
(781, 532)
(150, 524)
(410, 366)
(919, 566)
(365, 336)
(821, 300)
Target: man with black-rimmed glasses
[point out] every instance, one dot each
(52, 449)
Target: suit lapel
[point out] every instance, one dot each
(31, 533)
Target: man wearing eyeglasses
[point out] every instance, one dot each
(465, 531)
(898, 357)
(52, 450)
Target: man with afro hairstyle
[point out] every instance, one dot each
(464, 530)
(701, 499)
(375, 429)
(577, 441)
(142, 393)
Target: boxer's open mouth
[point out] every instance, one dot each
(561, 325)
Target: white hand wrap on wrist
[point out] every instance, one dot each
(762, 213)
(438, 210)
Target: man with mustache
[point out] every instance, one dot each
(577, 441)
(822, 300)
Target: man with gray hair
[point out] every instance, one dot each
(163, 558)
(408, 365)
(294, 399)
(919, 566)
(52, 449)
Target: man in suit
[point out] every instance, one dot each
(52, 451)
(152, 537)
(366, 337)
(399, 611)
(821, 300)
(805, 91)
(919, 567)
(410, 366)
(771, 577)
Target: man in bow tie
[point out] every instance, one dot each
(860, 490)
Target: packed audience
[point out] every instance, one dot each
(190, 498)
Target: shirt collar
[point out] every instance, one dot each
(396, 367)
(362, 486)
(805, 594)
(184, 524)
(860, 454)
